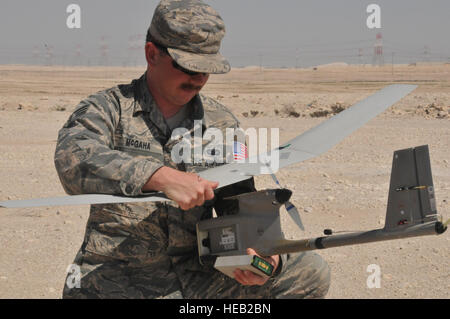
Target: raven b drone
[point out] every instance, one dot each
(255, 218)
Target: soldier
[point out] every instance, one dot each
(118, 141)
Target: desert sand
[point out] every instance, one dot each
(345, 189)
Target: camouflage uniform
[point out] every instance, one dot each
(112, 143)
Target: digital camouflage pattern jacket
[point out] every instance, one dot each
(112, 144)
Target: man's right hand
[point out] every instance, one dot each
(186, 189)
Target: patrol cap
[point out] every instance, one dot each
(192, 32)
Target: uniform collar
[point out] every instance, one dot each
(144, 99)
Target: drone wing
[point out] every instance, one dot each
(305, 146)
(315, 141)
(87, 199)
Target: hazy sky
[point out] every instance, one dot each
(268, 32)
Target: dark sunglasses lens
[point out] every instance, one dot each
(188, 72)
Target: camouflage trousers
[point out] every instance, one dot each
(305, 275)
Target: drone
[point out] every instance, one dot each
(254, 221)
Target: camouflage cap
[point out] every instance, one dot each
(192, 31)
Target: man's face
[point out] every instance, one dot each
(170, 83)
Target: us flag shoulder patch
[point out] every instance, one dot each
(239, 151)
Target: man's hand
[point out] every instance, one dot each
(248, 278)
(186, 189)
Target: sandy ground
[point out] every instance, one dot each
(344, 189)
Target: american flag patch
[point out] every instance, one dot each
(239, 151)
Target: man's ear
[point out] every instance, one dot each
(151, 53)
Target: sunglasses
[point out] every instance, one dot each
(174, 63)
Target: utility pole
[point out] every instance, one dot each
(360, 55)
(393, 63)
(48, 55)
(426, 54)
(260, 62)
(131, 41)
(78, 55)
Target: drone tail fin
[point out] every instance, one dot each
(411, 198)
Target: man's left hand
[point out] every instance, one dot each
(248, 278)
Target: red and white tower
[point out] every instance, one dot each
(378, 51)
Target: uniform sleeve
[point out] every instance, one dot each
(85, 158)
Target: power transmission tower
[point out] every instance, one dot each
(260, 61)
(104, 49)
(378, 59)
(48, 55)
(393, 53)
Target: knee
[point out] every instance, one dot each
(307, 275)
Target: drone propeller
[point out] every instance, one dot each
(290, 208)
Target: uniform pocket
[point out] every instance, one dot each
(182, 229)
(126, 232)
